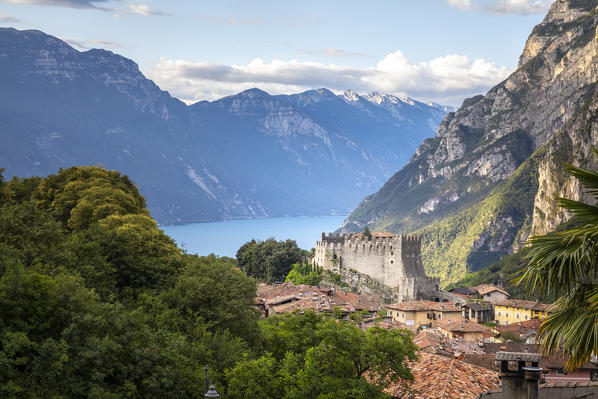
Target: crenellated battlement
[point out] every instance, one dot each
(393, 259)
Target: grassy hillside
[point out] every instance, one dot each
(474, 237)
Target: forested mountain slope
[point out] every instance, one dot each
(492, 174)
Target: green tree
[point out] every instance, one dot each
(81, 196)
(304, 273)
(324, 358)
(367, 233)
(217, 293)
(269, 260)
(565, 264)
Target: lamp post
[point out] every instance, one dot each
(209, 392)
(212, 393)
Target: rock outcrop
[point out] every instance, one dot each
(491, 175)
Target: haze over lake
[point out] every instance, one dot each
(226, 237)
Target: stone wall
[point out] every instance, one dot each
(394, 261)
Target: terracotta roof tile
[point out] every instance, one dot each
(408, 306)
(483, 289)
(462, 325)
(520, 303)
(438, 377)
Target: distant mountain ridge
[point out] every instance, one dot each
(247, 155)
(492, 175)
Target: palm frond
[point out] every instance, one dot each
(571, 329)
(586, 213)
(588, 178)
(559, 261)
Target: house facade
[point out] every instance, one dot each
(516, 310)
(463, 329)
(420, 313)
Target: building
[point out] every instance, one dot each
(463, 329)
(486, 292)
(422, 313)
(288, 298)
(479, 312)
(524, 330)
(393, 260)
(515, 310)
(554, 372)
(439, 377)
(491, 293)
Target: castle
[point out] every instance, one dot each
(393, 260)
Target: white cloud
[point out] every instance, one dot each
(142, 9)
(8, 19)
(63, 3)
(446, 80)
(524, 7)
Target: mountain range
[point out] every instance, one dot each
(491, 176)
(247, 155)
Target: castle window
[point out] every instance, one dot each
(392, 253)
(392, 261)
(391, 247)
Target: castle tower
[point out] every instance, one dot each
(393, 260)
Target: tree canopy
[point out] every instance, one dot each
(269, 261)
(97, 302)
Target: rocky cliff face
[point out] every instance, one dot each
(490, 176)
(248, 155)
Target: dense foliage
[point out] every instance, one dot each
(269, 261)
(305, 273)
(311, 356)
(97, 302)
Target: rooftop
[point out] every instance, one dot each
(462, 325)
(520, 303)
(484, 289)
(438, 377)
(415, 306)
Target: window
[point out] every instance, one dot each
(561, 371)
(499, 314)
(594, 375)
(517, 315)
(525, 317)
(506, 315)
(403, 315)
(392, 253)
(392, 261)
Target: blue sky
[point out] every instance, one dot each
(437, 50)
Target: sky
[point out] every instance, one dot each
(432, 50)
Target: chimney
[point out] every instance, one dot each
(521, 383)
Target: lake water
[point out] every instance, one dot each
(226, 237)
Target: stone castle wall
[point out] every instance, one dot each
(395, 261)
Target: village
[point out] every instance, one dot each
(473, 341)
(460, 343)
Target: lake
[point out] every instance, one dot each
(226, 237)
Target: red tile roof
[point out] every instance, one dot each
(415, 306)
(438, 377)
(483, 289)
(462, 325)
(520, 303)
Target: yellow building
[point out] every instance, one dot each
(515, 310)
(418, 313)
